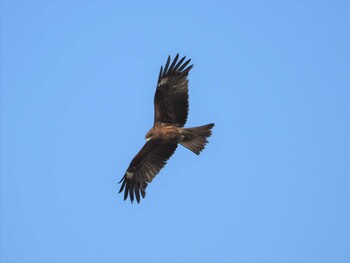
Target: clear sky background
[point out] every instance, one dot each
(77, 86)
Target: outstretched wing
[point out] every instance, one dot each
(144, 167)
(171, 98)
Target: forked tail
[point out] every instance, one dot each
(195, 138)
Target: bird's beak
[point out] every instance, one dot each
(147, 139)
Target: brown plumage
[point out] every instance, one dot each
(170, 116)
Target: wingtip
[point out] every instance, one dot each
(122, 186)
(131, 192)
(121, 180)
(167, 65)
(160, 73)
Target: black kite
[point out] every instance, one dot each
(171, 110)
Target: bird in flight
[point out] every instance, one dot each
(170, 115)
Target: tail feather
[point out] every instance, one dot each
(195, 138)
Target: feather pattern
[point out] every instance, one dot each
(144, 167)
(171, 97)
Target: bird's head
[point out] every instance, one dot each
(149, 135)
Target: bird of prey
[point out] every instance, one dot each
(170, 115)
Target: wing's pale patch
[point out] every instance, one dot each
(129, 175)
(163, 81)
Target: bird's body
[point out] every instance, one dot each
(171, 110)
(165, 133)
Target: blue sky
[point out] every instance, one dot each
(77, 86)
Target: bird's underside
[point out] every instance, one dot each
(171, 110)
